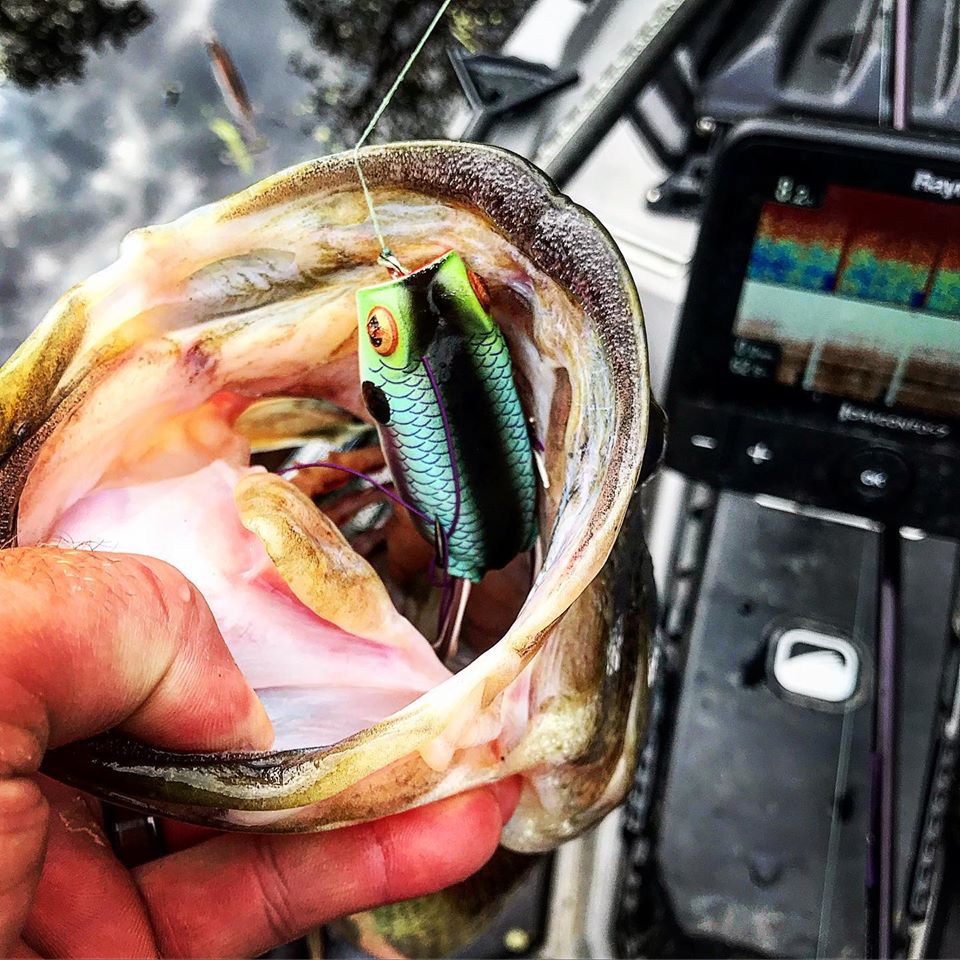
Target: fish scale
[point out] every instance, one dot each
(416, 433)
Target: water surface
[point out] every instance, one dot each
(111, 116)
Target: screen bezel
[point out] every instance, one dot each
(756, 155)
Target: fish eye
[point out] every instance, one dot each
(382, 331)
(479, 288)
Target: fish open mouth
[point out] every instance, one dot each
(305, 567)
(302, 553)
(163, 406)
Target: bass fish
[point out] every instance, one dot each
(121, 426)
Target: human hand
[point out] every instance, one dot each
(92, 641)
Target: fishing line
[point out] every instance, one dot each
(362, 476)
(444, 535)
(455, 591)
(833, 842)
(386, 255)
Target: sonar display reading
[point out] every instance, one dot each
(858, 297)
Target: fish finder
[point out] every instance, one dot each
(805, 713)
(820, 341)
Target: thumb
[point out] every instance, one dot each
(97, 640)
(90, 641)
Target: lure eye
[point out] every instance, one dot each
(480, 289)
(382, 331)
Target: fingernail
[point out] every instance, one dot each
(259, 729)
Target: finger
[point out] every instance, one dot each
(21, 950)
(89, 641)
(181, 836)
(81, 880)
(288, 885)
(23, 830)
(92, 640)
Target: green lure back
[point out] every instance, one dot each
(436, 376)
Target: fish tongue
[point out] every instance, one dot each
(321, 568)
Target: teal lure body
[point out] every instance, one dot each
(436, 375)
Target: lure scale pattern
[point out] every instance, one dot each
(423, 470)
(436, 375)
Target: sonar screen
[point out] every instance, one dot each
(855, 294)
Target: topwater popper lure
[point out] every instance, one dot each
(436, 376)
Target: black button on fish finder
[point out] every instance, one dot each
(877, 474)
(702, 448)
